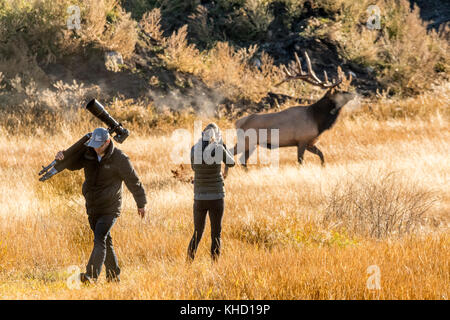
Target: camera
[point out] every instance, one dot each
(74, 151)
(100, 112)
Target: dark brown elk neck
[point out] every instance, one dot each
(324, 113)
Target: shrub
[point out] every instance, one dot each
(151, 24)
(181, 55)
(410, 54)
(378, 206)
(405, 56)
(224, 67)
(35, 33)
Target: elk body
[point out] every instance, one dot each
(298, 126)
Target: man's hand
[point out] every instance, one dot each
(59, 155)
(141, 212)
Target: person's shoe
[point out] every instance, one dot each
(85, 279)
(112, 276)
(113, 279)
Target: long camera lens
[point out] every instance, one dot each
(99, 111)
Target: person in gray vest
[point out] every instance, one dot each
(207, 156)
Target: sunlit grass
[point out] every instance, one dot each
(276, 244)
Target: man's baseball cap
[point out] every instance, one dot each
(98, 138)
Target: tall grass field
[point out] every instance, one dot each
(373, 223)
(292, 232)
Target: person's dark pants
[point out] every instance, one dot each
(201, 208)
(103, 252)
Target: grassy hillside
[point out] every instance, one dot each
(229, 50)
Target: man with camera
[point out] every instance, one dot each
(105, 167)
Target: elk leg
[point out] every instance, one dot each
(247, 154)
(300, 152)
(234, 150)
(316, 151)
(225, 172)
(249, 148)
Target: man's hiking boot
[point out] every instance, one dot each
(86, 279)
(113, 279)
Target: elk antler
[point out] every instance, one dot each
(308, 76)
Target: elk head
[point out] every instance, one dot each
(337, 91)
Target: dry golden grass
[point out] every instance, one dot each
(276, 243)
(292, 233)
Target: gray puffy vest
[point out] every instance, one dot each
(208, 179)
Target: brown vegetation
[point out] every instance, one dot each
(288, 233)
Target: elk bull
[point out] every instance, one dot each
(298, 126)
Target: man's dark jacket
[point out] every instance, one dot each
(102, 187)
